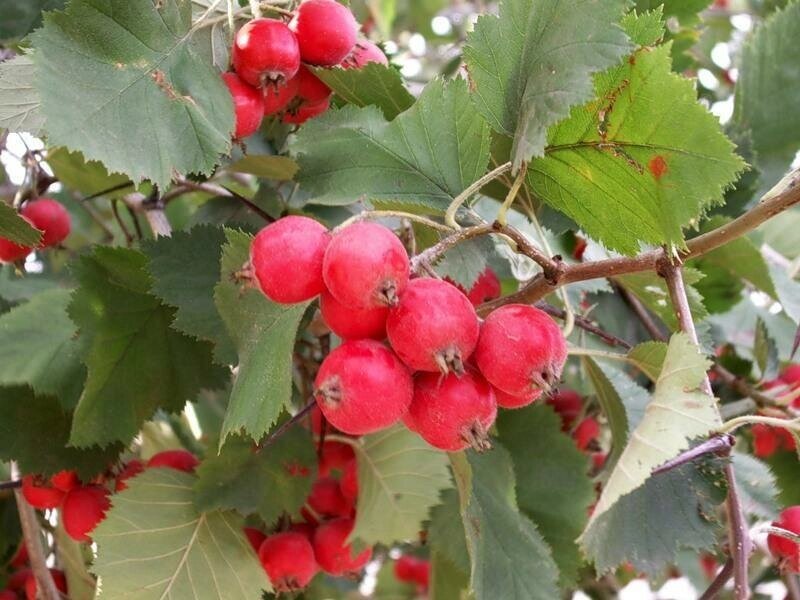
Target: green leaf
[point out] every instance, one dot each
(19, 101)
(786, 468)
(15, 228)
(765, 352)
(185, 270)
(38, 348)
(678, 413)
(756, 486)
(645, 29)
(263, 333)
(652, 291)
(427, 155)
(649, 358)
(267, 482)
(87, 177)
(372, 85)
(399, 480)
(552, 483)
(684, 10)
(788, 292)
(23, 16)
(154, 544)
(446, 531)
(267, 166)
(508, 555)
(161, 108)
(72, 559)
(34, 431)
(534, 62)
(448, 582)
(136, 362)
(640, 162)
(464, 263)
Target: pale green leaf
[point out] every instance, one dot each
(788, 291)
(72, 558)
(372, 85)
(756, 486)
(448, 582)
(649, 358)
(87, 177)
(652, 291)
(267, 166)
(20, 108)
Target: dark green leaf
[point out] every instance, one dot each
(372, 85)
(15, 228)
(765, 351)
(446, 531)
(464, 263)
(20, 17)
(448, 582)
(267, 166)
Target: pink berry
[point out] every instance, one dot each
(288, 559)
(353, 323)
(363, 387)
(83, 509)
(265, 52)
(248, 106)
(65, 480)
(132, 469)
(51, 218)
(334, 554)
(505, 400)
(286, 257)
(180, 460)
(326, 499)
(363, 53)
(453, 413)
(326, 32)
(520, 350)
(278, 97)
(305, 111)
(366, 265)
(434, 327)
(787, 551)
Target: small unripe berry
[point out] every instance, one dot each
(132, 469)
(288, 559)
(353, 323)
(58, 578)
(287, 259)
(787, 551)
(349, 481)
(453, 413)
(568, 404)
(40, 494)
(180, 460)
(305, 111)
(51, 218)
(334, 555)
(83, 509)
(248, 106)
(434, 327)
(265, 52)
(255, 537)
(326, 499)
(362, 387)
(505, 400)
(326, 32)
(363, 53)
(65, 480)
(366, 265)
(278, 97)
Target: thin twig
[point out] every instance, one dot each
(273, 437)
(585, 324)
(719, 581)
(452, 209)
(121, 223)
(740, 543)
(792, 586)
(10, 485)
(113, 188)
(511, 195)
(721, 445)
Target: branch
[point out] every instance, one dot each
(286, 426)
(585, 324)
(721, 445)
(11, 485)
(719, 581)
(740, 543)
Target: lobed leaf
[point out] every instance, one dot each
(372, 85)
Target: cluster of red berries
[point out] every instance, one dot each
(768, 440)
(269, 59)
(45, 214)
(443, 372)
(21, 580)
(785, 550)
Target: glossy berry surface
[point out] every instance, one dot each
(180, 460)
(65, 480)
(434, 327)
(59, 578)
(453, 413)
(327, 500)
(787, 551)
(51, 218)
(326, 32)
(132, 469)
(83, 509)
(505, 400)
(366, 266)
(248, 106)
(286, 257)
(520, 350)
(334, 555)
(363, 387)
(568, 404)
(353, 323)
(265, 52)
(363, 53)
(278, 97)
(305, 111)
(288, 559)
(39, 494)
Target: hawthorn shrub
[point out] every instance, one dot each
(398, 300)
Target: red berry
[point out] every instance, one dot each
(51, 217)
(39, 494)
(255, 537)
(568, 404)
(765, 440)
(579, 249)
(787, 551)
(410, 569)
(505, 400)
(326, 499)
(586, 432)
(306, 529)
(363, 387)
(17, 579)
(310, 87)
(520, 350)
(288, 559)
(180, 460)
(65, 480)
(265, 52)
(326, 32)
(58, 578)
(363, 53)
(132, 469)
(598, 460)
(333, 457)
(791, 375)
(353, 323)
(83, 509)
(248, 104)
(278, 97)
(20, 558)
(434, 327)
(11, 252)
(8, 595)
(287, 259)
(453, 413)
(334, 555)
(305, 111)
(486, 287)
(349, 481)
(366, 265)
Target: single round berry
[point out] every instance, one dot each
(568, 404)
(326, 499)
(288, 559)
(434, 327)
(334, 554)
(349, 481)
(83, 509)
(305, 111)
(520, 350)
(40, 494)
(326, 32)
(353, 323)
(132, 469)
(59, 578)
(310, 87)
(333, 457)
(765, 440)
(786, 550)
(453, 413)
(180, 460)
(410, 569)
(248, 106)
(51, 218)
(486, 287)
(278, 97)
(363, 53)
(255, 537)
(286, 257)
(65, 480)
(366, 265)
(587, 431)
(265, 52)
(505, 400)
(362, 387)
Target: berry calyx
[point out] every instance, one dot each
(51, 218)
(786, 550)
(334, 555)
(434, 327)
(288, 559)
(505, 400)
(305, 111)
(362, 387)
(248, 106)
(353, 322)
(310, 87)
(366, 265)
(41, 494)
(521, 350)
(59, 578)
(568, 404)
(83, 509)
(132, 469)
(326, 32)
(286, 257)
(180, 460)
(327, 500)
(453, 413)
(265, 52)
(278, 97)
(65, 480)
(363, 53)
